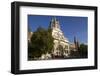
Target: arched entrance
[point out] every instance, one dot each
(60, 50)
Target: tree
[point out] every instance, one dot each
(83, 51)
(41, 42)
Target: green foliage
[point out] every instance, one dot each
(41, 42)
(83, 50)
(81, 53)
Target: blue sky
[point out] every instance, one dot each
(70, 25)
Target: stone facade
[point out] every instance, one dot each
(61, 43)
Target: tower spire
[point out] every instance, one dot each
(55, 23)
(76, 42)
(55, 19)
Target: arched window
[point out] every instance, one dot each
(66, 47)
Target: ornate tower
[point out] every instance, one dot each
(55, 23)
(61, 43)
